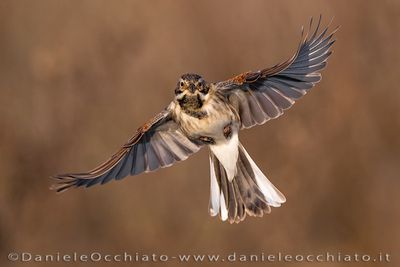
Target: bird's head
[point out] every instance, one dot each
(191, 86)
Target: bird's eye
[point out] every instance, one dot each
(181, 84)
(200, 83)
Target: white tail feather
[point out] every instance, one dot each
(227, 153)
(214, 198)
(224, 210)
(273, 196)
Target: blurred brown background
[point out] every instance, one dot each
(78, 77)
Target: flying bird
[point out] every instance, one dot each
(211, 114)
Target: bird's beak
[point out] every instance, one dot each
(192, 88)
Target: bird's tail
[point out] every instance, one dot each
(249, 192)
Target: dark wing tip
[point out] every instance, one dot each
(316, 42)
(63, 182)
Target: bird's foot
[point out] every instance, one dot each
(207, 140)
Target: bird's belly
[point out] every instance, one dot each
(211, 125)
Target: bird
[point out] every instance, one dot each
(211, 114)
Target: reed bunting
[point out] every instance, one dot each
(211, 114)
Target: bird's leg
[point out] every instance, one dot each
(207, 140)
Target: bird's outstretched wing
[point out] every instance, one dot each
(157, 144)
(263, 95)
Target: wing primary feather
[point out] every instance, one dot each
(140, 162)
(126, 166)
(310, 61)
(105, 178)
(317, 28)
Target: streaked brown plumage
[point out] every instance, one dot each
(212, 114)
